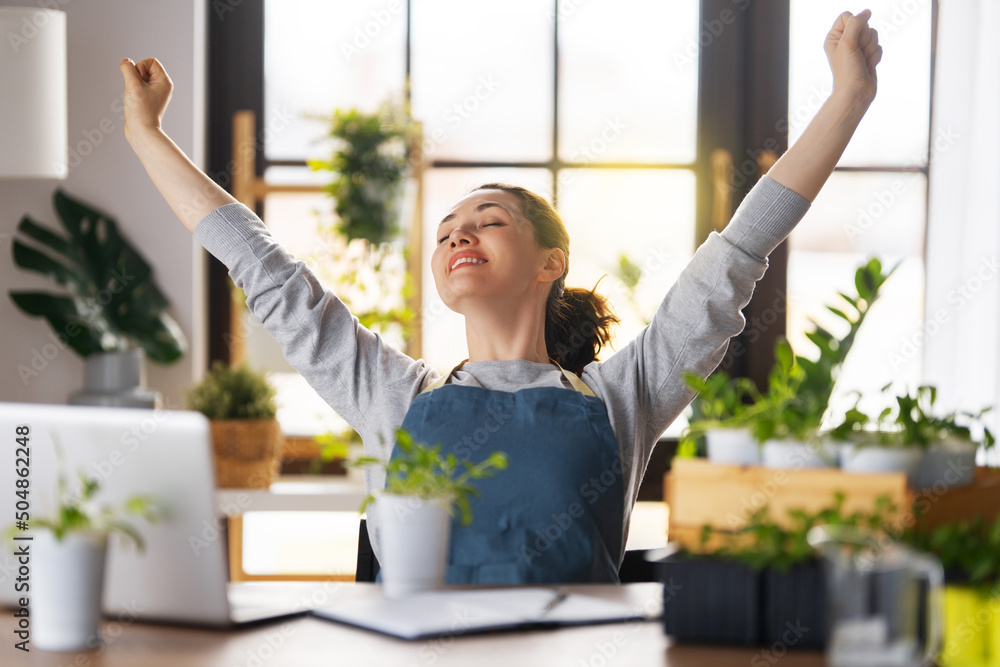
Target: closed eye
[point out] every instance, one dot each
(488, 224)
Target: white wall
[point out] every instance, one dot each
(111, 178)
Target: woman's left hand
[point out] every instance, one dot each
(853, 51)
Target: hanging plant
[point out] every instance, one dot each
(370, 162)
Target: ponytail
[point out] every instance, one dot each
(577, 325)
(577, 321)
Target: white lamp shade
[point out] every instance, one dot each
(32, 93)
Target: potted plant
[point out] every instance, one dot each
(756, 584)
(790, 414)
(246, 437)
(371, 162)
(722, 414)
(969, 552)
(67, 552)
(422, 491)
(872, 445)
(949, 457)
(112, 313)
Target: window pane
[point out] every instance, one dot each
(300, 542)
(320, 56)
(903, 101)
(855, 217)
(628, 81)
(443, 329)
(646, 215)
(482, 79)
(296, 221)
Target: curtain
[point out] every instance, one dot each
(962, 316)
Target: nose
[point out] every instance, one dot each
(460, 235)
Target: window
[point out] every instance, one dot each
(614, 110)
(585, 107)
(875, 203)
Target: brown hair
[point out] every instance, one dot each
(577, 321)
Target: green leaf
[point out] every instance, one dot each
(86, 335)
(839, 313)
(108, 281)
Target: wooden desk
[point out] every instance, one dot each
(306, 641)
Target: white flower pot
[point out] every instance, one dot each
(67, 578)
(415, 536)
(877, 458)
(734, 446)
(797, 454)
(946, 464)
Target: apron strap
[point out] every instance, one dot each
(574, 380)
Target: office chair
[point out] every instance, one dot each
(634, 567)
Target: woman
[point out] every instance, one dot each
(577, 437)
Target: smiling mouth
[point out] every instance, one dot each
(466, 261)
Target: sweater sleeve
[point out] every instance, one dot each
(690, 331)
(351, 368)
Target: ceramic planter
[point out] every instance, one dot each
(946, 464)
(67, 578)
(971, 628)
(732, 446)
(116, 379)
(415, 537)
(868, 458)
(797, 454)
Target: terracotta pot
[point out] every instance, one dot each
(246, 452)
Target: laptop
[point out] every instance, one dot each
(182, 574)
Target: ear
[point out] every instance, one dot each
(554, 265)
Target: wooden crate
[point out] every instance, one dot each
(724, 496)
(982, 498)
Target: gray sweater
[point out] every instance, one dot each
(371, 384)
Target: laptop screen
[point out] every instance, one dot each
(181, 574)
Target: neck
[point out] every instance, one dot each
(503, 334)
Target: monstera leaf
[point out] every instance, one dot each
(111, 302)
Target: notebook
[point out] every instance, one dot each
(182, 575)
(459, 612)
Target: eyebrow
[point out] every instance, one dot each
(480, 208)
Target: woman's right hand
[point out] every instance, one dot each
(147, 93)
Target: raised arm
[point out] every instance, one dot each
(190, 193)
(853, 51)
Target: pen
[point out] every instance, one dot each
(560, 595)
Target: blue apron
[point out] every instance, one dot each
(556, 514)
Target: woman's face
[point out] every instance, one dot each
(486, 248)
